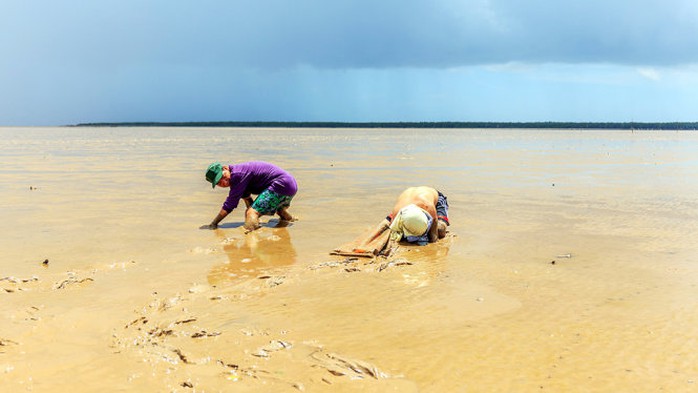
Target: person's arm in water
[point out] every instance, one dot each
(433, 232)
(214, 224)
(234, 196)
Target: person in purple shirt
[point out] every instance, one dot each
(274, 187)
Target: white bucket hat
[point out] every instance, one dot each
(410, 221)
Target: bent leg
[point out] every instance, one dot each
(284, 214)
(269, 203)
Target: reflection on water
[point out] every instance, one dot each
(252, 253)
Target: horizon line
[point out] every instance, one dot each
(675, 125)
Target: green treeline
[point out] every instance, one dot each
(329, 124)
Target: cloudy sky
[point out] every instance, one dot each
(70, 61)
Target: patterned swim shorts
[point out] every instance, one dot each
(269, 202)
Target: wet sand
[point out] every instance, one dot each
(571, 263)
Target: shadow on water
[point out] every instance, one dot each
(273, 223)
(253, 253)
(230, 225)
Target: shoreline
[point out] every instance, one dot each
(668, 126)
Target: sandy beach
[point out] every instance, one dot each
(571, 264)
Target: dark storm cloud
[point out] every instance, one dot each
(447, 33)
(354, 34)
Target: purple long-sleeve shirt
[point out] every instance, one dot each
(254, 177)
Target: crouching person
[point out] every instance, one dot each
(274, 189)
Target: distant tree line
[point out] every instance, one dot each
(448, 124)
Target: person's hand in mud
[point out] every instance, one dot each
(214, 224)
(442, 229)
(249, 227)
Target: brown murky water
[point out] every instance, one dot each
(571, 263)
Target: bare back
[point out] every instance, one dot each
(422, 196)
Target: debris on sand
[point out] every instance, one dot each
(338, 365)
(5, 342)
(15, 280)
(272, 281)
(396, 262)
(182, 357)
(273, 346)
(204, 333)
(71, 280)
(188, 320)
(561, 256)
(165, 304)
(159, 332)
(142, 320)
(350, 265)
(343, 262)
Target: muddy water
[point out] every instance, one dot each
(571, 263)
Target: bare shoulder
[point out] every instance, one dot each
(427, 193)
(419, 191)
(422, 196)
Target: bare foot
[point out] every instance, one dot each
(286, 216)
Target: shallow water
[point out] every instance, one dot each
(571, 263)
